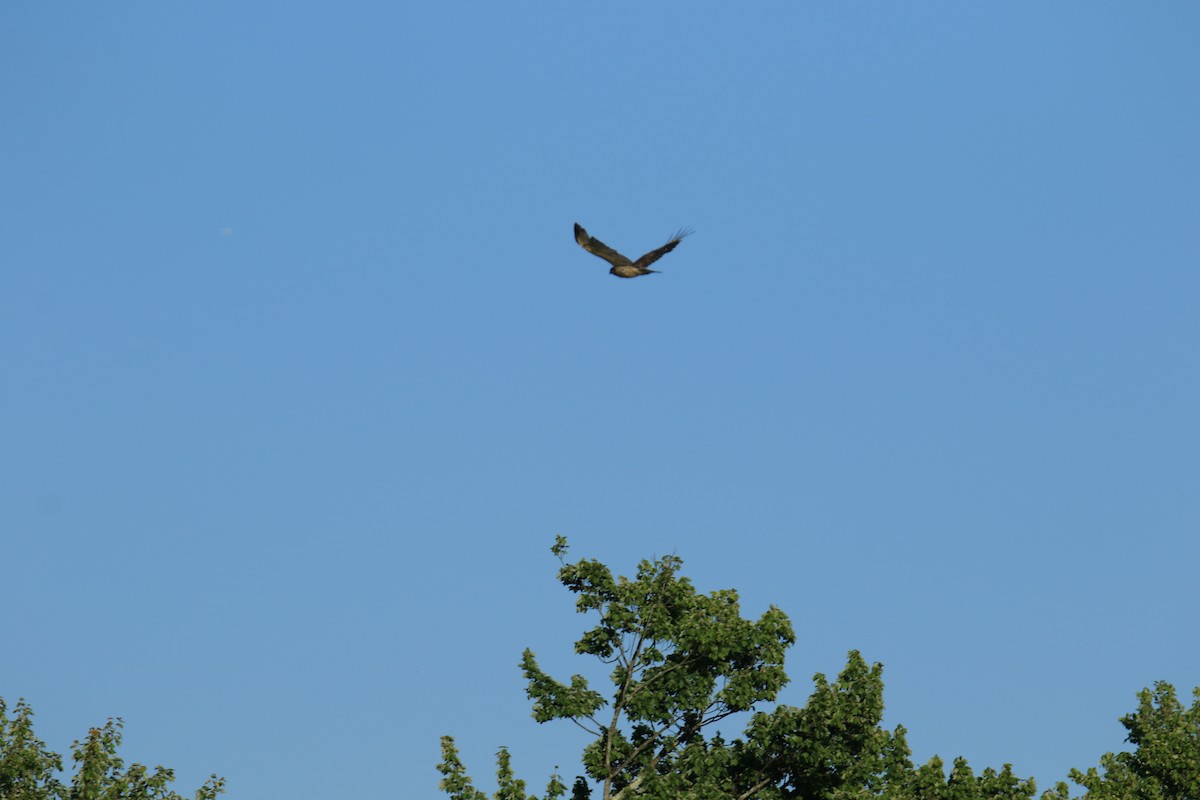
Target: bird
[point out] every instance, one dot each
(622, 267)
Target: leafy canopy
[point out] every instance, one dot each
(679, 661)
(29, 771)
(1165, 764)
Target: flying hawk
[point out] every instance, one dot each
(622, 267)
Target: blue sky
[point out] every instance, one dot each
(303, 370)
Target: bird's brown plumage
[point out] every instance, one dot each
(622, 267)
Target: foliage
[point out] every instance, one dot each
(679, 661)
(931, 781)
(459, 786)
(28, 770)
(1166, 762)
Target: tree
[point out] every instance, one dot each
(1165, 764)
(28, 770)
(930, 782)
(681, 661)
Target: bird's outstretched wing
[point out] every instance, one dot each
(599, 248)
(655, 255)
